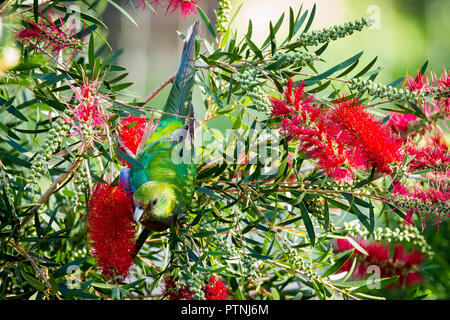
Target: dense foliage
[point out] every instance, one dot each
(328, 185)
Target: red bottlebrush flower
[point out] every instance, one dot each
(401, 263)
(186, 6)
(279, 107)
(51, 37)
(444, 81)
(342, 140)
(418, 83)
(434, 157)
(89, 117)
(434, 200)
(173, 292)
(334, 160)
(443, 102)
(357, 128)
(399, 122)
(111, 229)
(295, 99)
(131, 131)
(216, 290)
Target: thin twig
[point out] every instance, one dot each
(326, 283)
(59, 181)
(36, 268)
(159, 88)
(293, 185)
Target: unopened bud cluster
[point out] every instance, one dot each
(195, 283)
(315, 38)
(299, 263)
(424, 207)
(297, 59)
(316, 208)
(250, 267)
(81, 185)
(81, 253)
(223, 15)
(382, 91)
(220, 241)
(50, 145)
(407, 234)
(253, 89)
(4, 183)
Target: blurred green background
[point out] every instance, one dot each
(406, 34)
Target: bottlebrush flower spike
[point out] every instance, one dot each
(111, 229)
(343, 139)
(172, 291)
(214, 290)
(419, 83)
(51, 37)
(279, 107)
(131, 131)
(185, 6)
(435, 200)
(401, 263)
(444, 80)
(398, 123)
(357, 128)
(88, 115)
(434, 156)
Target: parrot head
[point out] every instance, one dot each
(155, 205)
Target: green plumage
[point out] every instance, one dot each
(165, 183)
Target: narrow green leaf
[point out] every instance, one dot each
(122, 10)
(16, 113)
(207, 22)
(366, 68)
(371, 218)
(277, 64)
(275, 294)
(273, 46)
(92, 19)
(326, 214)
(129, 159)
(16, 146)
(396, 82)
(300, 22)
(348, 70)
(254, 48)
(275, 30)
(8, 132)
(338, 263)
(331, 71)
(308, 224)
(418, 111)
(36, 10)
(311, 19)
(291, 24)
(35, 283)
(91, 52)
(424, 68)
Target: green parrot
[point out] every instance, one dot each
(163, 183)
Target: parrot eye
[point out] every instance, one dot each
(154, 202)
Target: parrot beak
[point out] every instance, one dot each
(138, 211)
